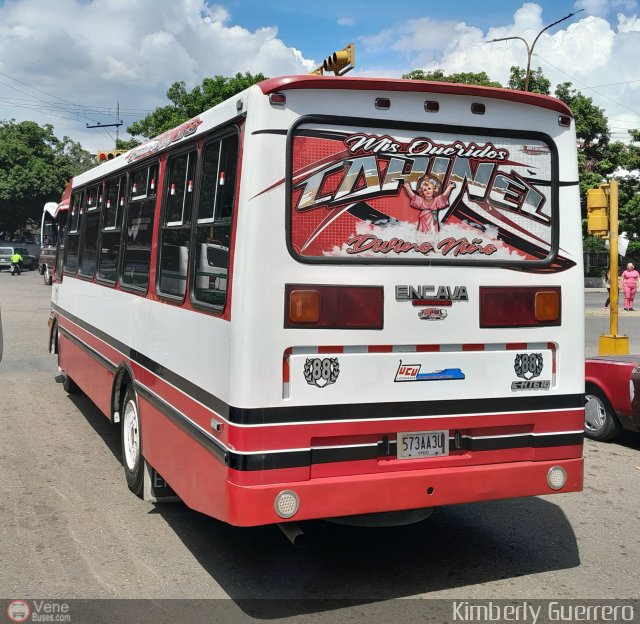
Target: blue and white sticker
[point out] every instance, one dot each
(411, 372)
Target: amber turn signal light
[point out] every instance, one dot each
(304, 306)
(547, 305)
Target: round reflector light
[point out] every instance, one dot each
(286, 504)
(556, 478)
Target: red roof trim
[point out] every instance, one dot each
(286, 83)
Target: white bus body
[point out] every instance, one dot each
(347, 352)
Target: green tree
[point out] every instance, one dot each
(438, 75)
(35, 167)
(127, 144)
(187, 104)
(591, 123)
(538, 82)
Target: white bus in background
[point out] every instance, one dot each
(54, 217)
(334, 296)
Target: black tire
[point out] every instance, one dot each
(70, 386)
(131, 440)
(600, 420)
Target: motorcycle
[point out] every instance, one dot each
(15, 269)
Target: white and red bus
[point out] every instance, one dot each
(328, 297)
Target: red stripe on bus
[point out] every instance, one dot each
(379, 348)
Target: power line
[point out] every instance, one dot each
(78, 109)
(613, 84)
(588, 87)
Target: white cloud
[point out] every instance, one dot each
(600, 8)
(346, 21)
(594, 7)
(587, 52)
(99, 52)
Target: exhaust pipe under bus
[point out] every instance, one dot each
(294, 534)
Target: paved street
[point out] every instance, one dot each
(70, 528)
(597, 321)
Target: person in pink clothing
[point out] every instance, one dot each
(427, 199)
(630, 286)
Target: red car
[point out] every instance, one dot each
(612, 395)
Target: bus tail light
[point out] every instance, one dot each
(528, 306)
(334, 307)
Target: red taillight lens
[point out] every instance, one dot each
(519, 306)
(334, 307)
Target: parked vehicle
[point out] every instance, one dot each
(29, 261)
(612, 396)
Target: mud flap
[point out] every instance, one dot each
(155, 488)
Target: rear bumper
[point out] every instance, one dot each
(372, 493)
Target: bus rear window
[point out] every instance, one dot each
(437, 197)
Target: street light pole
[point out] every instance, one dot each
(533, 45)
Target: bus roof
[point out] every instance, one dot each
(286, 83)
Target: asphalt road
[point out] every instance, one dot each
(597, 321)
(69, 527)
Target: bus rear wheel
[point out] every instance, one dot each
(132, 459)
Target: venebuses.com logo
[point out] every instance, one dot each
(39, 611)
(18, 611)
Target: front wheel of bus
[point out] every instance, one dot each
(132, 443)
(600, 421)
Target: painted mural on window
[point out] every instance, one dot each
(432, 195)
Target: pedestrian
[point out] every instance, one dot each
(606, 282)
(630, 278)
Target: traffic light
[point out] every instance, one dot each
(340, 62)
(105, 155)
(597, 212)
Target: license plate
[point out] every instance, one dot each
(423, 444)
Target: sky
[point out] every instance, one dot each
(70, 63)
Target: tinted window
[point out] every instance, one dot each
(139, 228)
(176, 225)
(73, 238)
(114, 205)
(90, 245)
(215, 213)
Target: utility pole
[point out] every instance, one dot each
(116, 125)
(530, 49)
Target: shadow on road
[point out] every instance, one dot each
(457, 547)
(630, 439)
(343, 566)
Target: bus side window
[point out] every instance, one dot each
(175, 230)
(73, 236)
(113, 210)
(215, 215)
(89, 236)
(139, 228)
